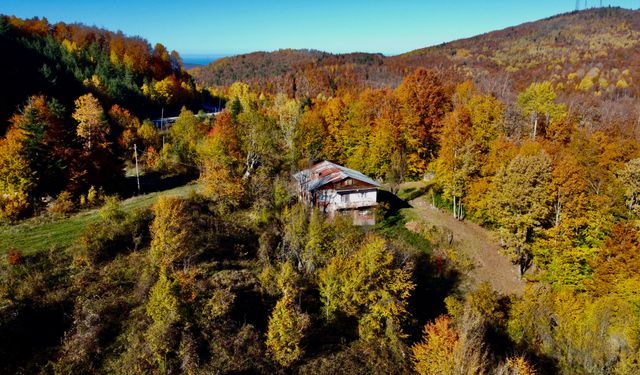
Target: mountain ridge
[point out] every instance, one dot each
(569, 45)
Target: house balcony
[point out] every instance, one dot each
(354, 205)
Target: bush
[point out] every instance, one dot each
(94, 197)
(14, 257)
(14, 207)
(63, 205)
(115, 233)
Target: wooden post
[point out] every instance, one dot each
(135, 154)
(162, 125)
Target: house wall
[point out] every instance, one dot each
(355, 199)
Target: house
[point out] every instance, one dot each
(335, 189)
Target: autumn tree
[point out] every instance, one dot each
(424, 102)
(630, 178)
(16, 178)
(367, 285)
(164, 310)
(539, 100)
(581, 333)
(617, 261)
(387, 149)
(220, 162)
(449, 347)
(294, 237)
(315, 252)
(259, 137)
(185, 134)
(127, 124)
(92, 125)
(286, 329)
(434, 354)
(46, 144)
(172, 231)
(288, 113)
(310, 137)
(521, 203)
(457, 160)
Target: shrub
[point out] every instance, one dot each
(63, 205)
(14, 257)
(116, 233)
(93, 196)
(14, 207)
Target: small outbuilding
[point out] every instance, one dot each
(335, 189)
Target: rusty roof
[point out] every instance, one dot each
(327, 172)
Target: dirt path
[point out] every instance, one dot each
(489, 264)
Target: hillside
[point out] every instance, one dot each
(592, 51)
(64, 61)
(507, 205)
(298, 72)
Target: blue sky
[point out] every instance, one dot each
(213, 27)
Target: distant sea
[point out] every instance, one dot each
(191, 61)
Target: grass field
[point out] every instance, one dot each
(39, 234)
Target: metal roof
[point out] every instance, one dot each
(327, 172)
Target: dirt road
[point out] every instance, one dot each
(475, 242)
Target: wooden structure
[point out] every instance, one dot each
(335, 189)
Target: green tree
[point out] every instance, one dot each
(367, 285)
(520, 203)
(185, 134)
(288, 112)
(46, 144)
(315, 252)
(539, 99)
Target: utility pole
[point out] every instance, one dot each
(162, 125)
(135, 154)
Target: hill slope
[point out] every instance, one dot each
(64, 61)
(600, 44)
(589, 51)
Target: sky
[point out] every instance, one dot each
(197, 28)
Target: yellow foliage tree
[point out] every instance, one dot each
(287, 326)
(172, 231)
(366, 284)
(92, 125)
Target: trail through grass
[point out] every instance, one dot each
(39, 234)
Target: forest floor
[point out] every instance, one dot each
(489, 264)
(45, 232)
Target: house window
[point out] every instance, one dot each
(345, 198)
(348, 182)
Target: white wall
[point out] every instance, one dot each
(355, 199)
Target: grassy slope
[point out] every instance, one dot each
(37, 234)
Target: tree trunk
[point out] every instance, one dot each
(454, 208)
(535, 128)
(558, 210)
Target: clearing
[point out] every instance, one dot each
(41, 233)
(476, 243)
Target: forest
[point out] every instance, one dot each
(541, 149)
